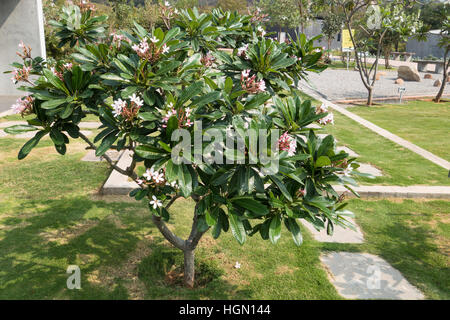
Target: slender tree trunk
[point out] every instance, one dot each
(189, 268)
(444, 78)
(370, 96)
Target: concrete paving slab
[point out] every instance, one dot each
(3, 134)
(369, 169)
(89, 124)
(117, 183)
(314, 126)
(350, 152)
(340, 234)
(414, 192)
(366, 276)
(91, 157)
(7, 124)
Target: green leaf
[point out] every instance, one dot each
(295, 230)
(251, 204)
(275, 229)
(185, 181)
(237, 228)
(30, 144)
(147, 116)
(52, 104)
(323, 161)
(148, 152)
(107, 142)
(56, 136)
(16, 129)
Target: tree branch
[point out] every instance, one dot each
(127, 172)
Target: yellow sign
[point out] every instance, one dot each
(346, 40)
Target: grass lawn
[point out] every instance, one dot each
(400, 166)
(424, 123)
(50, 218)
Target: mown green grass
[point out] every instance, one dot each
(352, 64)
(399, 165)
(50, 218)
(424, 123)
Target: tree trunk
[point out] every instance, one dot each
(387, 53)
(370, 96)
(444, 78)
(189, 268)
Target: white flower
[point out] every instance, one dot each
(262, 85)
(188, 111)
(326, 120)
(154, 39)
(237, 265)
(242, 50)
(246, 73)
(261, 31)
(137, 100)
(155, 202)
(347, 171)
(118, 106)
(322, 109)
(158, 177)
(149, 174)
(165, 49)
(167, 4)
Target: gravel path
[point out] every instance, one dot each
(342, 85)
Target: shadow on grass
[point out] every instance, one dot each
(52, 234)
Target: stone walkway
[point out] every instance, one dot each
(340, 235)
(117, 183)
(366, 276)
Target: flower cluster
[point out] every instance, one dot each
(183, 116)
(86, 5)
(327, 119)
(150, 52)
(242, 51)
(23, 105)
(167, 13)
(260, 31)
(127, 111)
(26, 51)
(21, 74)
(287, 143)
(257, 15)
(156, 178)
(118, 38)
(250, 84)
(207, 60)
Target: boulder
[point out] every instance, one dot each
(408, 74)
(428, 76)
(399, 81)
(437, 83)
(377, 77)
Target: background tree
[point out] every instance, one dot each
(372, 20)
(331, 25)
(282, 14)
(444, 43)
(232, 5)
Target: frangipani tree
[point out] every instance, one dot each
(173, 100)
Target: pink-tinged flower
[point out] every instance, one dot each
(149, 174)
(261, 31)
(322, 109)
(262, 86)
(136, 100)
(57, 73)
(23, 105)
(188, 112)
(118, 38)
(302, 192)
(140, 181)
(326, 120)
(287, 143)
(118, 107)
(68, 66)
(155, 203)
(242, 51)
(26, 51)
(250, 84)
(21, 74)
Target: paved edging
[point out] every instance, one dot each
(382, 132)
(416, 192)
(117, 183)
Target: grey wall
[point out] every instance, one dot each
(423, 49)
(20, 20)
